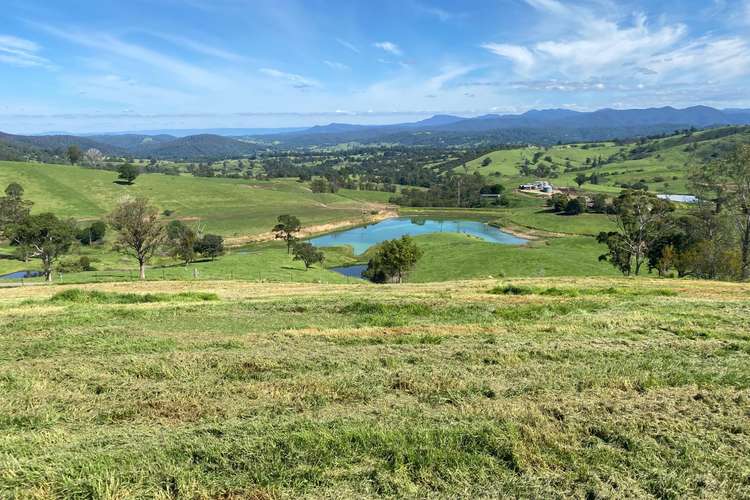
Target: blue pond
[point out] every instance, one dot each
(20, 275)
(354, 271)
(362, 238)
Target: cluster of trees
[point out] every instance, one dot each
(288, 228)
(187, 244)
(393, 260)
(453, 190)
(710, 241)
(562, 203)
(43, 236)
(140, 233)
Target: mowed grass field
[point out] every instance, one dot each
(231, 207)
(530, 388)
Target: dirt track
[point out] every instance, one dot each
(384, 213)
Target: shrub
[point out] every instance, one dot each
(511, 290)
(78, 296)
(575, 206)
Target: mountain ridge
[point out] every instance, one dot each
(546, 126)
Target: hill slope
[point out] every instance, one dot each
(662, 164)
(226, 206)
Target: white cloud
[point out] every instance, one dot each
(389, 47)
(606, 44)
(441, 14)
(523, 59)
(127, 91)
(551, 6)
(200, 47)
(598, 47)
(723, 59)
(348, 45)
(21, 52)
(189, 73)
(449, 73)
(336, 65)
(297, 81)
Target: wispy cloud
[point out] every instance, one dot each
(522, 58)
(605, 48)
(560, 86)
(126, 91)
(448, 74)
(551, 6)
(297, 81)
(336, 65)
(200, 47)
(389, 47)
(348, 45)
(441, 14)
(21, 52)
(112, 45)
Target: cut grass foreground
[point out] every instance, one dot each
(528, 388)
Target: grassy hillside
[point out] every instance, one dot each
(663, 164)
(239, 207)
(550, 388)
(453, 256)
(225, 206)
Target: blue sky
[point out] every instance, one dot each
(108, 65)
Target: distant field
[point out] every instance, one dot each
(224, 206)
(663, 164)
(549, 388)
(251, 207)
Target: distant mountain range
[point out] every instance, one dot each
(535, 126)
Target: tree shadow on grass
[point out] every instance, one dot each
(122, 183)
(290, 268)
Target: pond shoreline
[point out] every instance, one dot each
(362, 238)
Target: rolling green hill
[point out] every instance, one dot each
(225, 206)
(663, 164)
(236, 207)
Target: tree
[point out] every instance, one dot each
(393, 260)
(211, 246)
(599, 203)
(43, 236)
(13, 208)
(93, 157)
(287, 228)
(487, 161)
(558, 202)
(641, 218)
(308, 254)
(182, 241)
(575, 206)
(74, 154)
(321, 186)
(128, 172)
(14, 190)
(581, 179)
(729, 178)
(141, 233)
(95, 232)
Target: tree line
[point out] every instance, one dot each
(711, 240)
(140, 233)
